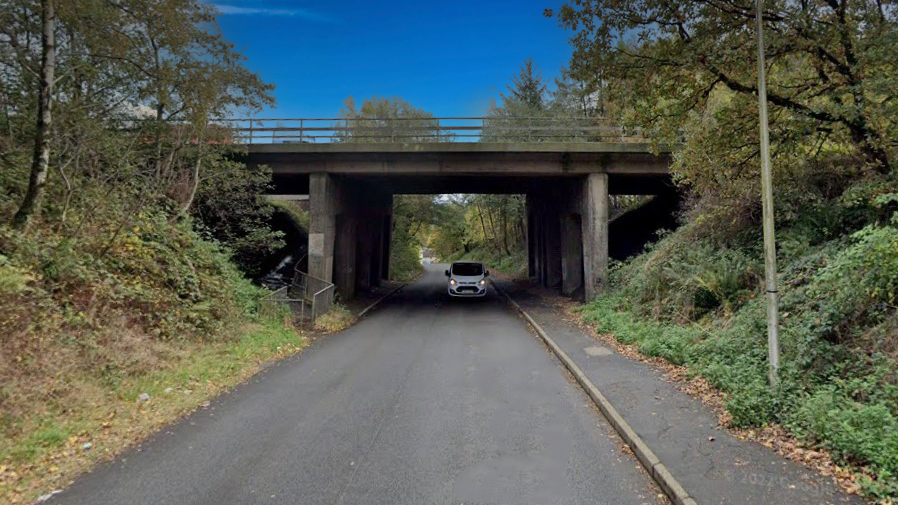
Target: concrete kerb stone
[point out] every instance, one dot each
(382, 298)
(671, 487)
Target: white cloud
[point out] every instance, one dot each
(263, 11)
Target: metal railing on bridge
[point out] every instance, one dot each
(445, 129)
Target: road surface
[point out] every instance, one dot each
(427, 400)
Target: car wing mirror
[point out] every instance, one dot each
(447, 273)
(486, 274)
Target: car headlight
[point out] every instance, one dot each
(452, 282)
(483, 282)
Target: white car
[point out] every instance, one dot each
(467, 278)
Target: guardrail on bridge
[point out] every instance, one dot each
(446, 129)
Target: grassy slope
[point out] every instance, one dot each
(49, 451)
(696, 303)
(99, 311)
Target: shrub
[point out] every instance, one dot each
(686, 281)
(694, 301)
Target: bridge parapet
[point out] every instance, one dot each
(443, 129)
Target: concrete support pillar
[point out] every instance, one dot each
(540, 244)
(595, 234)
(349, 233)
(386, 242)
(322, 226)
(552, 246)
(344, 276)
(374, 226)
(377, 251)
(544, 239)
(530, 238)
(571, 254)
(365, 247)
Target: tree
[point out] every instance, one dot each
(576, 98)
(231, 207)
(529, 87)
(381, 119)
(512, 118)
(41, 157)
(100, 62)
(665, 60)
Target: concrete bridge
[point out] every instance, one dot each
(567, 184)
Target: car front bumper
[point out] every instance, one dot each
(467, 291)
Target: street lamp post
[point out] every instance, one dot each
(773, 347)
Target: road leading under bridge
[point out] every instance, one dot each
(426, 400)
(351, 187)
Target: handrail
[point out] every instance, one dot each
(429, 129)
(478, 118)
(319, 302)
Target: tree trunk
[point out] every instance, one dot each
(31, 204)
(504, 216)
(482, 224)
(489, 217)
(195, 182)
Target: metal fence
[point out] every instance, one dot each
(318, 294)
(307, 297)
(446, 129)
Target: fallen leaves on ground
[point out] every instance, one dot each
(774, 436)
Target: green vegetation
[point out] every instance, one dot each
(337, 319)
(91, 321)
(128, 230)
(512, 265)
(695, 297)
(487, 228)
(395, 119)
(300, 215)
(697, 304)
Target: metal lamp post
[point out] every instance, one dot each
(773, 347)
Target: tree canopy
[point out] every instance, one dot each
(119, 98)
(381, 119)
(831, 66)
(74, 71)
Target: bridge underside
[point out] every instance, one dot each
(351, 188)
(619, 184)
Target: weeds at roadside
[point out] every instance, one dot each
(337, 319)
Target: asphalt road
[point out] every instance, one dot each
(427, 400)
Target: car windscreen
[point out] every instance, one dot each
(467, 269)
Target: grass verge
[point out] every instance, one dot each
(851, 438)
(337, 319)
(111, 416)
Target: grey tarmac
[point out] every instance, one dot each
(426, 400)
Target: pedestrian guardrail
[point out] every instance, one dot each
(307, 296)
(317, 294)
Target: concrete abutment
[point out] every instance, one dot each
(349, 233)
(567, 242)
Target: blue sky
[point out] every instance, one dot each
(448, 58)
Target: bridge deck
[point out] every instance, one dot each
(459, 158)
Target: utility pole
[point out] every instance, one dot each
(773, 345)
